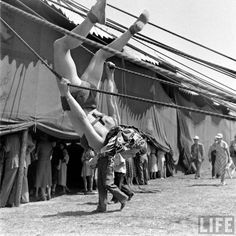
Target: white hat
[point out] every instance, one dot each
(196, 137)
(219, 135)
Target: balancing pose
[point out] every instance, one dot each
(101, 134)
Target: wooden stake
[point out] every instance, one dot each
(21, 168)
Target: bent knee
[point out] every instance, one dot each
(59, 46)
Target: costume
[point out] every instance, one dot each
(119, 139)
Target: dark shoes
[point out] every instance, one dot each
(130, 196)
(122, 205)
(99, 210)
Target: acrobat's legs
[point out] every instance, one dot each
(94, 71)
(63, 62)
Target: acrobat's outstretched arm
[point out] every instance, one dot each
(79, 118)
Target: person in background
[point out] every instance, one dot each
(152, 162)
(232, 149)
(87, 172)
(161, 163)
(8, 190)
(2, 158)
(120, 171)
(212, 158)
(25, 186)
(62, 174)
(222, 157)
(197, 155)
(57, 155)
(142, 167)
(44, 171)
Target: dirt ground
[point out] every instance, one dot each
(173, 210)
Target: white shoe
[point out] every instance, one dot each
(139, 24)
(97, 13)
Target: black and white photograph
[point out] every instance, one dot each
(117, 117)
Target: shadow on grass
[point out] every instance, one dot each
(88, 203)
(77, 213)
(204, 185)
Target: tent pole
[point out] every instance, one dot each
(21, 167)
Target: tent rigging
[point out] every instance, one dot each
(207, 64)
(72, 35)
(116, 94)
(170, 32)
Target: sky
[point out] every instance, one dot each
(211, 23)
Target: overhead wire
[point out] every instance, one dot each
(208, 64)
(139, 74)
(177, 35)
(119, 94)
(152, 67)
(142, 99)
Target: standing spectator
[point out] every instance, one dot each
(8, 190)
(197, 155)
(57, 155)
(2, 159)
(222, 157)
(62, 175)
(161, 164)
(44, 171)
(212, 158)
(153, 162)
(87, 171)
(142, 166)
(25, 185)
(232, 149)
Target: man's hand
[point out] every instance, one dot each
(63, 86)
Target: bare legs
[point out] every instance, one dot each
(63, 62)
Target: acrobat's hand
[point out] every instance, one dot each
(63, 86)
(110, 68)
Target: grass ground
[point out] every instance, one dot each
(173, 210)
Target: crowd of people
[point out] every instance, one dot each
(45, 169)
(221, 156)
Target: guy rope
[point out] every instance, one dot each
(152, 67)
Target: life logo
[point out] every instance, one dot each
(216, 225)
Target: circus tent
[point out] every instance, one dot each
(29, 96)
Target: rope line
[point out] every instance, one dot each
(137, 39)
(168, 31)
(156, 102)
(125, 95)
(118, 68)
(152, 67)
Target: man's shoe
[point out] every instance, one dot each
(97, 13)
(99, 210)
(123, 205)
(130, 196)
